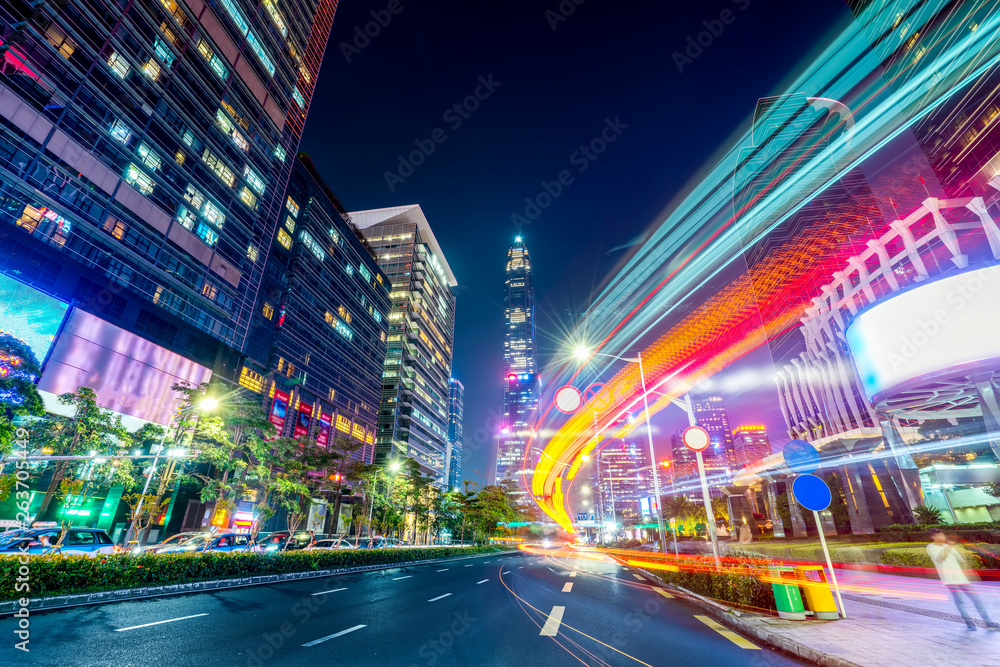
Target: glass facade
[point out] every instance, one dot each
(416, 393)
(710, 414)
(144, 150)
(520, 369)
(622, 476)
(320, 330)
(455, 413)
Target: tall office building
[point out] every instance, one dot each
(413, 411)
(623, 478)
(456, 408)
(750, 443)
(324, 309)
(520, 373)
(145, 149)
(710, 414)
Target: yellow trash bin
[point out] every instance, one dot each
(816, 592)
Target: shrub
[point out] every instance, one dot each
(917, 557)
(739, 584)
(62, 575)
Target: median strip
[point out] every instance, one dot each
(169, 620)
(334, 635)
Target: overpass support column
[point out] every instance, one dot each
(991, 410)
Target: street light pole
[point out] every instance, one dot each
(152, 470)
(652, 459)
(706, 498)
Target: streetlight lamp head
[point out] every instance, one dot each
(208, 404)
(581, 352)
(395, 465)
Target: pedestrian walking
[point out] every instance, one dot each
(950, 564)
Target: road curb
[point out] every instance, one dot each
(107, 597)
(736, 621)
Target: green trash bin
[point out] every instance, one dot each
(785, 584)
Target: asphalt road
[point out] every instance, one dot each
(519, 610)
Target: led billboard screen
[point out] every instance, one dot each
(945, 327)
(129, 374)
(29, 315)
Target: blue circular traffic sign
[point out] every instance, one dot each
(800, 456)
(812, 492)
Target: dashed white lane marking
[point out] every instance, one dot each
(664, 593)
(336, 634)
(469, 565)
(567, 587)
(728, 634)
(169, 620)
(520, 567)
(482, 582)
(440, 597)
(444, 570)
(638, 577)
(398, 578)
(333, 591)
(552, 623)
(573, 573)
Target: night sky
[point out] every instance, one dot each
(552, 83)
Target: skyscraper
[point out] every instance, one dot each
(455, 410)
(324, 308)
(416, 394)
(623, 477)
(710, 414)
(750, 443)
(520, 374)
(145, 158)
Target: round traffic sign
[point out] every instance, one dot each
(811, 492)
(801, 457)
(598, 396)
(568, 399)
(696, 438)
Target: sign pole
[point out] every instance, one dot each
(829, 564)
(709, 514)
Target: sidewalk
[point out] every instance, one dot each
(890, 620)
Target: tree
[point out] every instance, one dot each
(993, 489)
(144, 509)
(90, 428)
(19, 370)
(927, 516)
(343, 448)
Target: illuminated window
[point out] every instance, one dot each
(253, 180)
(378, 277)
(279, 22)
(343, 330)
(358, 431)
(168, 33)
(377, 315)
(252, 380)
(346, 316)
(365, 273)
(292, 207)
(284, 239)
(248, 198)
(334, 235)
(57, 38)
(209, 290)
(343, 424)
(297, 96)
(268, 311)
(304, 73)
(149, 158)
(219, 168)
(241, 141)
(136, 177)
(163, 52)
(118, 65)
(120, 132)
(290, 223)
(29, 218)
(219, 67)
(115, 227)
(188, 138)
(224, 122)
(382, 336)
(280, 153)
(309, 242)
(186, 218)
(252, 253)
(175, 11)
(194, 197)
(241, 23)
(331, 393)
(214, 214)
(349, 269)
(205, 49)
(206, 234)
(179, 157)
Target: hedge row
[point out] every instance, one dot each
(63, 575)
(739, 584)
(917, 528)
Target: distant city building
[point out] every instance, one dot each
(455, 410)
(623, 478)
(324, 304)
(750, 443)
(413, 413)
(520, 372)
(710, 414)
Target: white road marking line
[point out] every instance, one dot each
(444, 570)
(638, 577)
(567, 587)
(333, 591)
(484, 581)
(336, 634)
(573, 573)
(552, 623)
(469, 565)
(398, 578)
(169, 620)
(520, 567)
(728, 634)
(439, 597)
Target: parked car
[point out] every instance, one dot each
(220, 542)
(77, 541)
(173, 541)
(376, 542)
(283, 540)
(330, 544)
